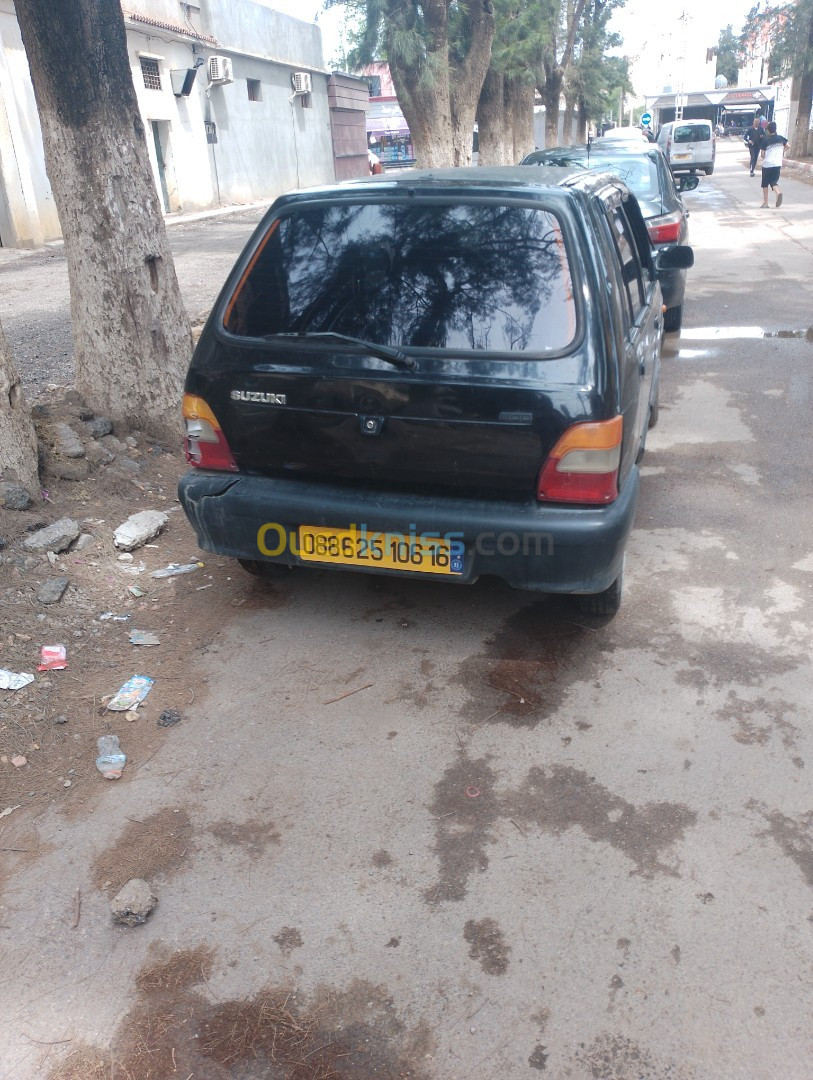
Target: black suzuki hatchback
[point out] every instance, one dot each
(446, 374)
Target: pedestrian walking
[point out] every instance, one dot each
(773, 147)
(753, 138)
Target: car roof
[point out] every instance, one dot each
(510, 179)
(579, 152)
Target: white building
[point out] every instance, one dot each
(262, 126)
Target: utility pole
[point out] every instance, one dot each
(680, 95)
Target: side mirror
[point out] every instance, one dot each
(688, 183)
(679, 257)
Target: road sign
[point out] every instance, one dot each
(646, 119)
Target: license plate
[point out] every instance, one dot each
(680, 157)
(380, 550)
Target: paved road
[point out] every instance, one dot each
(527, 847)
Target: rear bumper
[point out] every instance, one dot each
(530, 546)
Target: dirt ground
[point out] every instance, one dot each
(55, 721)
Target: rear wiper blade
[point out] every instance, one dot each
(392, 355)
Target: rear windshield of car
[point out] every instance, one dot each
(640, 174)
(691, 133)
(473, 277)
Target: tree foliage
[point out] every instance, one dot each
(786, 33)
(596, 79)
(728, 55)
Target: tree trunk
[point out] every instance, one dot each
(491, 120)
(18, 444)
(131, 333)
(427, 111)
(567, 122)
(423, 94)
(467, 76)
(521, 98)
(551, 94)
(800, 136)
(581, 122)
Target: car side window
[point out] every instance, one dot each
(628, 253)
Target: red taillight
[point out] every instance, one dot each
(665, 229)
(583, 465)
(205, 444)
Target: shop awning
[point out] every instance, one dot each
(382, 126)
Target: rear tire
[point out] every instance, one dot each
(672, 319)
(654, 410)
(604, 603)
(260, 569)
(709, 171)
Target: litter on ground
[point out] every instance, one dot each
(14, 680)
(52, 658)
(133, 692)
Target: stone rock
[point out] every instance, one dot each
(125, 467)
(67, 443)
(56, 537)
(99, 455)
(130, 442)
(84, 541)
(113, 444)
(14, 496)
(52, 590)
(133, 903)
(73, 398)
(98, 427)
(69, 468)
(85, 413)
(139, 528)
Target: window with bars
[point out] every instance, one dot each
(151, 73)
(255, 90)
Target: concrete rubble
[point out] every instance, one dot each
(52, 590)
(133, 903)
(57, 537)
(139, 528)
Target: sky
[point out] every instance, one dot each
(643, 25)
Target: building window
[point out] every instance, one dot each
(255, 90)
(151, 73)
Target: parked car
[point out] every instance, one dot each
(444, 374)
(689, 146)
(634, 134)
(644, 170)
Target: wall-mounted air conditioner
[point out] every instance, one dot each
(301, 82)
(220, 70)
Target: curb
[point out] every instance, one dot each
(805, 168)
(219, 211)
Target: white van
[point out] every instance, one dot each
(689, 146)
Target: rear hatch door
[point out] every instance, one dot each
(472, 313)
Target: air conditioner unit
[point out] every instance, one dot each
(301, 81)
(220, 70)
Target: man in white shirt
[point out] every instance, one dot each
(773, 147)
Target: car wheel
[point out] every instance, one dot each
(672, 319)
(654, 408)
(604, 603)
(260, 569)
(709, 171)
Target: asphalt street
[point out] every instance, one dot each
(511, 844)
